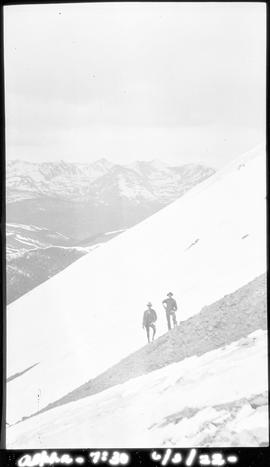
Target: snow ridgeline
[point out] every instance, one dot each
(148, 180)
(188, 403)
(202, 247)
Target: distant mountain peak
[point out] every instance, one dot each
(158, 164)
(103, 162)
(102, 181)
(155, 164)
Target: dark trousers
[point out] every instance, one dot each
(152, 325)
(169, 315)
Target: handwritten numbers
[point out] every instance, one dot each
(215, 459)
(204, 459)
(155, 456)
(95, 456)
(177, 458)
(116, 458)
(119, 458)
(174, 458)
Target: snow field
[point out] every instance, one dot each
(194, 402)
(88, 317)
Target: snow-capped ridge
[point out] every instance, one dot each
(108, 290)
(69, 180)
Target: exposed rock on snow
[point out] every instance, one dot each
(36, 254)
(94, 307)
(233, 318)
(201, 401)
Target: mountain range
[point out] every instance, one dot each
(57, 212)
(81, 200)
(76, 343)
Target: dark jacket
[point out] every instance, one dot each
(149, 317)
(171, 304)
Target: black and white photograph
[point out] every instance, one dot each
(136, 252)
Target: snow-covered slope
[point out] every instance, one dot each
(203, 246)
(227, 320)
(35, 254)
(188, 403)
(21, 238)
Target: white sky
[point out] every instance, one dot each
(181, 82)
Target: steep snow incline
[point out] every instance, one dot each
(229, 319)
(218, 399)
(203, 246)
(36, 254)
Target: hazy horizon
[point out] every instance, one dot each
(130, 163)
(135, 81)
(124, 163)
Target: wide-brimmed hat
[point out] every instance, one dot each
(169, 293)
(149, 304)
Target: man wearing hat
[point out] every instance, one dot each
(170, 307)
(149, 319)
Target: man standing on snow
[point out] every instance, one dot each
(170, 307)
(149, 319)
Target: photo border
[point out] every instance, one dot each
(247, 457)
